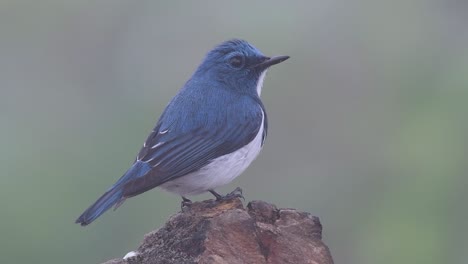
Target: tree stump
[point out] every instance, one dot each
(212, 232)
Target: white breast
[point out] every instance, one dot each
(220, 171)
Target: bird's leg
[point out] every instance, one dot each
(185, 202)
(237, 193)
(217, 195)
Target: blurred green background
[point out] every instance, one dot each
(368, 120)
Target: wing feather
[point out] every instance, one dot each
(189, 152)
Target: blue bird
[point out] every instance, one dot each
(208, 134)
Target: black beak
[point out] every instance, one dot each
(271, 61)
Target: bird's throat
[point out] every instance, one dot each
(260, 82)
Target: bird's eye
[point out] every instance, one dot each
(236, 61)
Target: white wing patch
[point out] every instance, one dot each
(157, 145)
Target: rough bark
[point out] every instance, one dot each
(225, 232)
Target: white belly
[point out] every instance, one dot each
(220, 171)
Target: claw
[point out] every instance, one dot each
(237, 193)
(185, 202)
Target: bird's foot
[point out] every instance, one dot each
(185, 202)
(237, 193)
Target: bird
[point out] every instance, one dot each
(208, 134)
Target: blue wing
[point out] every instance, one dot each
(181, 145)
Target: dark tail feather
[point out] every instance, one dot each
(106, 201)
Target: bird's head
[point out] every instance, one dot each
(237, 65)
